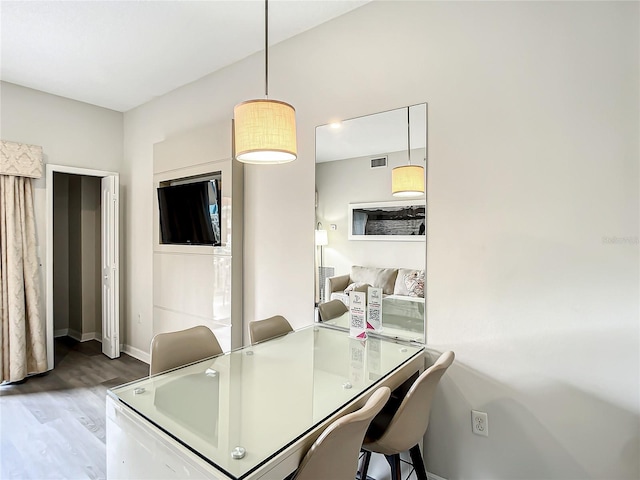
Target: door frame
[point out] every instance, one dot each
(50, 170)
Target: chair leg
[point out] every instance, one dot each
(394, 463)
(365, 465)
(418, 463)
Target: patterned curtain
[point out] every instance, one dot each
(22, 336)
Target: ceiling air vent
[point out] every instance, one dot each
(379, 162)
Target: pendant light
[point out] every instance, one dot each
(407, 180)
(264, 129)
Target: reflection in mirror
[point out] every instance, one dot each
(364, 235)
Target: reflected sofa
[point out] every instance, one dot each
(399, 282)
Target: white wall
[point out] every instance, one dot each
(352, 180)
(533, 192)
(71, 133)
(533, 121)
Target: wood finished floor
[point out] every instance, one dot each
(53, 425)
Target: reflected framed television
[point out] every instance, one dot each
(190, 211)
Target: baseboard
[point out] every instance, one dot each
(433, 476)
(135, 353)
(76, 335)
(79, 336)
(85, 337)
(63, 332)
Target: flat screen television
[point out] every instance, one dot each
(190, 213)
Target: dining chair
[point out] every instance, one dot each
(403, 429)
(174, 349)
(261, 330)
(334, 454)
(331, 309)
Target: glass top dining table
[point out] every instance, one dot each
(240, 409)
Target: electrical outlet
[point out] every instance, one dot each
(479, 423)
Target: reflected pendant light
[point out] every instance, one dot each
(264, 129)
(407, 180)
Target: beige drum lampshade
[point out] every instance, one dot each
(265, 132)
(407, 181)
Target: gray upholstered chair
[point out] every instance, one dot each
(261, 330)
(403, 429)
(334, 455)
(174, 349)
(331, 309)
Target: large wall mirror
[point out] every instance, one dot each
(365, 235)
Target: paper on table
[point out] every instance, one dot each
(357, 314)
(374, 309)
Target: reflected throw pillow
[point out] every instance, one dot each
(357, 286)
(414, 282)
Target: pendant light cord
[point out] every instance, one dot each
(409, 135)
(266, 48)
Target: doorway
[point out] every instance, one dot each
(82, 285)
(77, 289)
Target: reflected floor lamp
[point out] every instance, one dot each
(321, 241)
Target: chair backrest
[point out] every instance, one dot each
(261, 330)
(331, 309)
(334, 455)
(409, 424)
(174, 349)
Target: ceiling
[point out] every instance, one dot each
(121, 54)
(373, 135)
